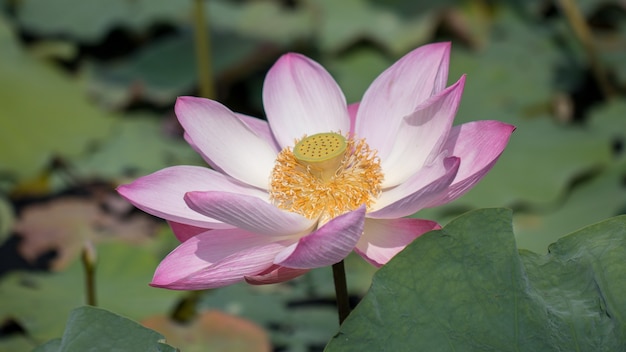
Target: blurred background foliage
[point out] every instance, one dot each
(87, 89)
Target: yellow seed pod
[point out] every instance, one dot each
(322, 153)
(320, 147)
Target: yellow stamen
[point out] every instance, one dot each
(325, 176)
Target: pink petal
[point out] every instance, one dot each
(206, 158)
(216, 258)
(417, 192)
(261, 128)
(352, 111)
(162, 193)
(248, 213)
(421, 135)
(300, 97)
(226, 141)
(400, 89)
(326, 246)
(183, 232)
(275, 274)
(479, 144)
(384, 238)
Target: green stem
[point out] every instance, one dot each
(203, 51)
(341, 291)
(584, 35)
(89, 263)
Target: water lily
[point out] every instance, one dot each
(320, 178)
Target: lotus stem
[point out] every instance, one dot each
(203, 51)
(89, 263)
(341, 291)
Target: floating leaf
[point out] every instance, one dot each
(249, 19)
(91, 328)
(599, 198)
(379, 24)
(137, 145)
(18, 343)
(596, 198)
(467, 288)
(92, 20)
(167, 68)
(543, 156)
(356, 70)
(50, 346)
(44, 114)
(609, 121)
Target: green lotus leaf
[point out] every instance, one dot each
(468, 288)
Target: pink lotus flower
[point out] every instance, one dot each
(320, 178)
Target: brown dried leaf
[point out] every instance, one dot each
(65, 224)
(212, 331)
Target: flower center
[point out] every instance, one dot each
(321, 153)
(325, 175)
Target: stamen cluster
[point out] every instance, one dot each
(357, 181)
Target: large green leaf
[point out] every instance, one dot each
(95, 329)
(467, 288)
